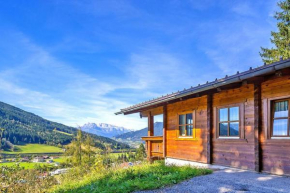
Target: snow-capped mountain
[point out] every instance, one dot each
(136, 135)
(104, 129)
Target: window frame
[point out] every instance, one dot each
(241, 121)
(272, 106)
(193, 137)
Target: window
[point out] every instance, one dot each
(280, 118)
(185, 125)
(229, 122)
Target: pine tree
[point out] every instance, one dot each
(88, 144)
(1, 134)
(280, 39)
(75, 149)
(141, 152)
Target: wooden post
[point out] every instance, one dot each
(150, 133)
(257, 126)
(164, 129)
(150, 124)
(209, 128)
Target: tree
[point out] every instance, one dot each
(280, 39)
(141, 153)
(88, 144)
(1, 134)
(75, 149)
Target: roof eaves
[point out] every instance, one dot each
(238, 77)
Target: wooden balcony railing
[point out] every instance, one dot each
(154, 147)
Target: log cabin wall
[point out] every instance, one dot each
(187, 149)
(275, 152)
(237, 153)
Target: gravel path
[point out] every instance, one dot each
(231, 180)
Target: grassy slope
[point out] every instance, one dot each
(35, 148)
(141, 177)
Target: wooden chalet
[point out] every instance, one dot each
(240, 121)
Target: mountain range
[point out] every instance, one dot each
(136, 135)
(104, 129)
(23, 127)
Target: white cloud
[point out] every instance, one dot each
(50, 88)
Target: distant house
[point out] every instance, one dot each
(38, 159)
(25, 159)
(126, 164)
(45, 157)
(56, 164)
(241, 121)
(54, 157)
(59, 171)
(49, 161)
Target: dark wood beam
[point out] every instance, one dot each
(257, 126)
(209, 132)
(150, 124)
(164, 129)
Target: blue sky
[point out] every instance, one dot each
(80, 61)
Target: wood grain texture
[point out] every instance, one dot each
(257, 126)
(275, 152)
(236, 152)
(193, 150)
(209, 131)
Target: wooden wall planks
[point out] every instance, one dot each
(232, 152)
(193, 150)
(275, 152)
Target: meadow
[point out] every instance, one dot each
(25, 165)
(32, 165)
(34, 148)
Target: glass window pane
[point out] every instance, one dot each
(182, 130)
(280, 127)
(234, 129)
(181, 119)
(281, 109)
(234, 113)
(223, 114)
(189, 118)
(189, 130)
(223, 129)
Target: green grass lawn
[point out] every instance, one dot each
(140, 177)
(31, 165)
(26, 165)
(35, 148)
(60, 159)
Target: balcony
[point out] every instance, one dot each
(154, 147)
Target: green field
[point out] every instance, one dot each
(31, 165)
(26, 165)
(34, 148)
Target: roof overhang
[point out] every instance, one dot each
(239, 77)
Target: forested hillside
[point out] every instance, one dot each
(24, 127)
